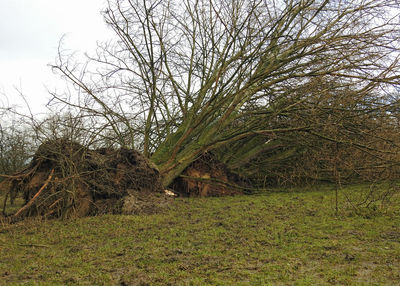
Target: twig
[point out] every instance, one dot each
(21, 173)
(5, 203)
(35, 196)
(34, 245)
(12, 177)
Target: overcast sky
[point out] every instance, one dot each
(30, 31)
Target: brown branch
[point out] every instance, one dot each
(35, 196)
(20, 174)
(5, 203)
(12, 177)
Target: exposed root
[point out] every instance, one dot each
(206, 177)
(66, 179)
(26, 206)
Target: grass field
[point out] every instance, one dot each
(276, 238)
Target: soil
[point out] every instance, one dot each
(205, 177)
(66, 179)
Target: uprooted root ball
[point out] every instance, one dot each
(66, 179)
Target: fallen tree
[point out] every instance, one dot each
(66, 179)
(185, 78)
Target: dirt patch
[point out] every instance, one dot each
(66, 179)
(144, 202)
(205, 177)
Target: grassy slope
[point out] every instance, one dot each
(265, 239)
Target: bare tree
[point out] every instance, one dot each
(15, 149)
(187, 77)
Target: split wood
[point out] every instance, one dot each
(35, 196)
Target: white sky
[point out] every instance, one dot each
(30, 31)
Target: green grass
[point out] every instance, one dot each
(280, 238)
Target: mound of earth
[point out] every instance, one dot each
(66, 179)
(205, 177)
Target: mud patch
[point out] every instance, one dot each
(144, 202)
